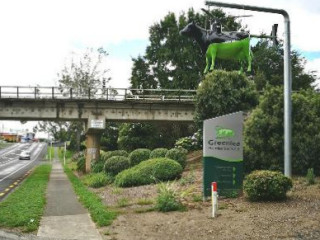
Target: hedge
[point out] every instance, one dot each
(179, 155)
(150, 171)
(158, 153)
(139, 155)
(116, 164)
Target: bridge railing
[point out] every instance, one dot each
(110, 94)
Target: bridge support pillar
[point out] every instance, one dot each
(93, 148)
(95, 126)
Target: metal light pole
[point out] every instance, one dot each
(287, 75)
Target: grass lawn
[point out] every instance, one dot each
(50, 152)
(4, 144)
(99, 212)
(24, 207)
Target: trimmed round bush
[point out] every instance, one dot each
(139, 155)
(150, 171)
(110, 154)
(96, 180)
(179, 155)
(116, 164)
(264, 185)
(158, 153)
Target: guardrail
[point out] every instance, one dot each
(111, 94)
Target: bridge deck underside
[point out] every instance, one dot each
(25, 109)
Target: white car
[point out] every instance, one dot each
(25, 155)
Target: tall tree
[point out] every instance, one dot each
(58, 129)
(173, 61)
(85, 73)
(268, 67)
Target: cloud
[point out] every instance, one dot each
(314, 65)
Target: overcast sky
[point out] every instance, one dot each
(37, 36)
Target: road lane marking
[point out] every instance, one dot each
(1, 194)
(22, 167)
(7, 190)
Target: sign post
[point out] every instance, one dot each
(214, 199)
(223, 154)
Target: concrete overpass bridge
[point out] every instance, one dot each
(94, 108)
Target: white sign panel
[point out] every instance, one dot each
(223, 137)
(97, 123)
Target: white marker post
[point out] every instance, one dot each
(214, 199)
(64, 154)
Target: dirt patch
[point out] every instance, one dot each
(296, 218)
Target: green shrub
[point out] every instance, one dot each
(168, 199)
(116, 164)
(179, 155)
(97, 180)
(81, 164)
(263, 132)
(97, 166)
(139, 155)
(75, 157)
(150, 171)
(110, 154)
(187, 143)
(264, 185)
(310, 177)
(158, 153)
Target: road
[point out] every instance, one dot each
(13, 170)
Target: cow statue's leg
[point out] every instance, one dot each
(241, 66)
(249, 59)
(207, 64)
(206, 70)
(213, 54)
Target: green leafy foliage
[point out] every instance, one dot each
(137, 135)
(158, 153)
(263, 132)
(97, 166)
(168, 198)
(266, 185)
(150, 171)
(224, 92)
(96, 180)
(179, 155)
(311, 177)
(268, 67)
(81, 164)
(139, 155)
(109, 137)
(116, 164)
(187, 143)
(109, 154)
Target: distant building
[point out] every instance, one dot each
(10, 137)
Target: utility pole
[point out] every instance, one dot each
(287, 75)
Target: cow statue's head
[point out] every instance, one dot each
(189, 30)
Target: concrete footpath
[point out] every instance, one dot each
(64, 216)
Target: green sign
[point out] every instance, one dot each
(223, 154)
